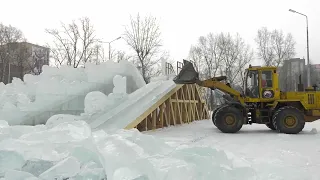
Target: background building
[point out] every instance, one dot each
(289, 74)
(18, 59)
(291, 70)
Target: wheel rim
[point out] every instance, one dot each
(230, 120)
(290, 121)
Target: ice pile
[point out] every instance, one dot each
(63, 90)
(70, 150)
(118, 109)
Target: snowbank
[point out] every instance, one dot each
(62, 91)
(71, 150)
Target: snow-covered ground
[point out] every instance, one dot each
(272, 156)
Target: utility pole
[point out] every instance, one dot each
(308, 61)
(97, 54)
(9, 73)
(110, 46)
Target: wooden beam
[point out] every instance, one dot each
(183, 104)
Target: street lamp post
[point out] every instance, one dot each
(110, 45)
(308, 62)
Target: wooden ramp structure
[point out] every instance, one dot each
(183, 104)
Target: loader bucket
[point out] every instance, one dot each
(187, 75)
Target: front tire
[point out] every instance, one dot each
(270, 126)
(288, 120)
(214, 113)
(228, 119)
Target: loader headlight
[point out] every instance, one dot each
(267, 94)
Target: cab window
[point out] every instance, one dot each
(266, 79)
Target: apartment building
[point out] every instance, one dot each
(18, 59)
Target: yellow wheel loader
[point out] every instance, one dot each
(261, 102)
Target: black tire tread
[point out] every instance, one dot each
(276, 114)
(216, 116)
(215, 111)
(271, 126)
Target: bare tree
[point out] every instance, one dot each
(274, 47)
(236, 56)
(207, 58)
(143, 36)
(195, 55)
(221, 54)
(121, 55)
(73, 44)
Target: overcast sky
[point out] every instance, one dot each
(182, 22)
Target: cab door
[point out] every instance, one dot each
(252, 85)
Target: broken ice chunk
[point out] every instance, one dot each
(96, 173)
(37, 166)
(3, 124)
(18, 175)
(313, 131)
(95, 102)
(128, 174)
(66, 168)
(120, 84)
(10, 160)
(60, 118)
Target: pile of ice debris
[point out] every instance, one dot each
(117, 109)
(54, 89)
(70, 150)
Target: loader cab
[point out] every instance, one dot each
(261, 84)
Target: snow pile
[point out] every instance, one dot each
(70, 150)
(35, 99)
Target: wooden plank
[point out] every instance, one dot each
(172, 112)
(154, 119)
(185, 106)
(192, 114)
(193, 91)
(187, 101)
(165, 113)
(161, 115)
(178, 108)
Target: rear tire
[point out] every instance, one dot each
(228, 119)
(288, 120)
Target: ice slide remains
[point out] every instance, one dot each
(158, 104)
(61, 91)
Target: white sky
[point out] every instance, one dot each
(182, 22)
